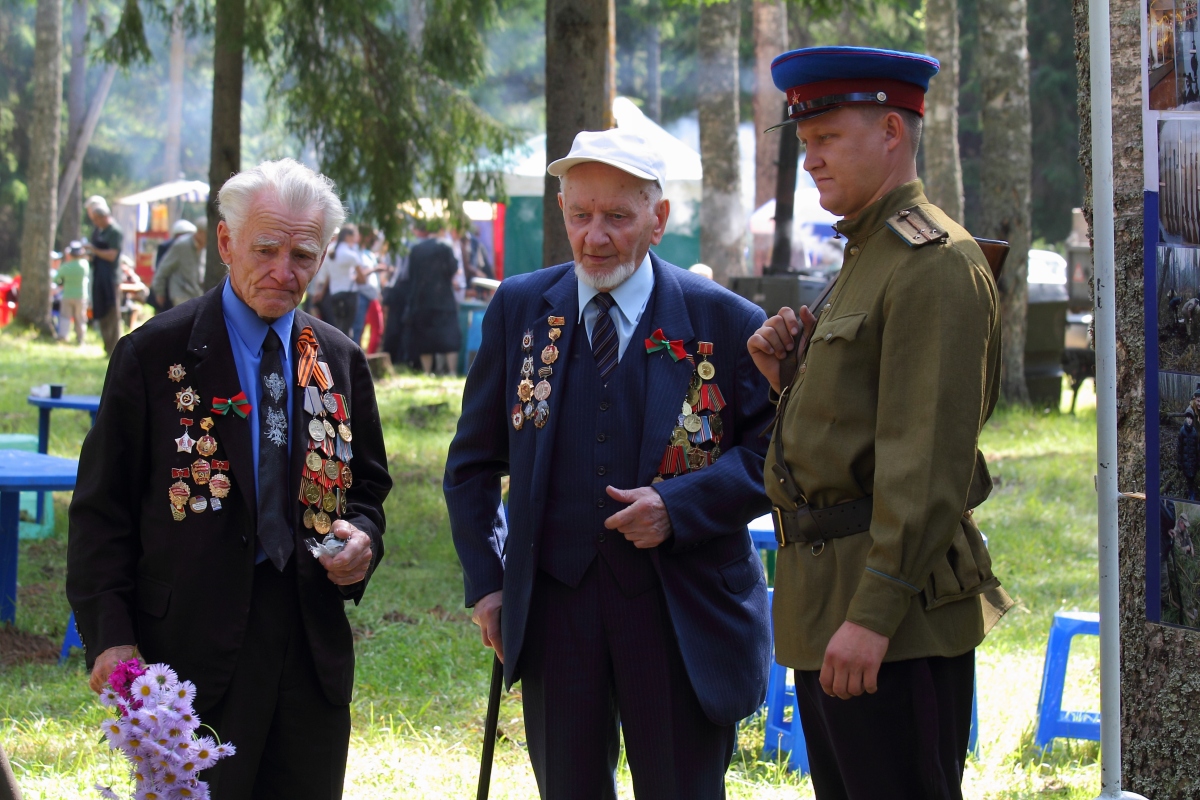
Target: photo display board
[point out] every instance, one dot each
(1171, 127)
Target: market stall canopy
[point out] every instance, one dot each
(187, 191)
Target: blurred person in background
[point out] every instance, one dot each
(73, 276)
(177, 278)
(342, 270)
(181, 228)
(104, 249)
(368, 309)
(433, 310)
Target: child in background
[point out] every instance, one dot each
(73, 277)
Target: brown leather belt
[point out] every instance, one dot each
(815, 526)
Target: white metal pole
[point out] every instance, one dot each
(1104, 262)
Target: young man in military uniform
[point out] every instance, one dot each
(884, 586)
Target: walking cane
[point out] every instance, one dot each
(489, 730)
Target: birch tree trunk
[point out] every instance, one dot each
(721, 223)
(943, 167)
(71, 212)
(1159, 679)
(1006, 175)
(172, 150)
(578, 81)
(770, 39)
(41, 209)
(225, 160)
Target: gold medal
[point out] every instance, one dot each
(219, 485)
(691, 423)
(186, 399)
(541, 391)
(679, 437)
(556, 322)
(198, 504)
(176, 372)
(322, 523)
(347, 476)
(206, 446)
(313, 461)
(328, 502)
(696, 459)
(201, 469)
(344, 432)
(657, 479)
(207, 423)
(329, 431)
(312, 493)
(179, 493)
(549, 354)
(718, 427)
(706, 370)
(184, 443)
(555, 333)
(518, 417)
(309, 518)
(525, 390)
(331, 469)
(316, 430)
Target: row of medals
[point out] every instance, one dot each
(213, 474)
(323, 487)
(532, 399)
(691, 420)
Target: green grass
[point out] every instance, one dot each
(422, 674)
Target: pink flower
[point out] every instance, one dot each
(124, 675)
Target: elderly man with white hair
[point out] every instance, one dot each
(617, 393)
(218, 484)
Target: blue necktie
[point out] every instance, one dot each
(604, 337)
(274, 530)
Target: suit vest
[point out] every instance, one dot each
(598, 443)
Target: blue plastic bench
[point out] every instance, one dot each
(1053, 722)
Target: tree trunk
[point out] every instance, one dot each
(1158, 662)
(770, 39)
(798, 34)
(578, 78)
(653, 66)
(943, 167)
(722, 227)
(172, 149)
(41, 215)
(1006, 175)
(226, 156)
(73, 170)
(416, 24)
(71, 204)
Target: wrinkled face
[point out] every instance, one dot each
(273, 257)
(611, 221)
(846, 153)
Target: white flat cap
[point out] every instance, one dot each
(181, 227)
(624, 150)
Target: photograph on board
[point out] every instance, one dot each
(1177, 299)
(1179, 181)
(1178, 565)
(1171, 56)
(1178, 434)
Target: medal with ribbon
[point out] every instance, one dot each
(696, 439)
(326, 475)
(238, 404)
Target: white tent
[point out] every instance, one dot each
(186, 191)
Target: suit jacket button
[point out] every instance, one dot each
(604, 405)
(601, 470)
(599, 437)
(600, 503)
(602, 537)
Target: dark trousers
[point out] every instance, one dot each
(291, 741)
(908, 741)
(597, 663)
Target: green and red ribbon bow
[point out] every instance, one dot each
(238, 404)
(658, 341)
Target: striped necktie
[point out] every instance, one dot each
(604, 337)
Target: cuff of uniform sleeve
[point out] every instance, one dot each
(880, 603)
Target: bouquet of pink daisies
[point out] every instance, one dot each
(155, 729)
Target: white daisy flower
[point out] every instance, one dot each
(110, 698)
(185, 691)
(144, 688)
(225, 750)
(107, 793)
(204, 752)
(162, 675)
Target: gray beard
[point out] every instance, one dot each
(606, 281)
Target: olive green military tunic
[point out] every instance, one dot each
(902, 373)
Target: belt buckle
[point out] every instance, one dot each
(777, 518)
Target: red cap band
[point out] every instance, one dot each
(829, 94)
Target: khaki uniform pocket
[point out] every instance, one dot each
(967, 572)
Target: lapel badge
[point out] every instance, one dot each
(557, 322)
(525, 390)
(185, 443)
(201, 470)
(178, 494)
(206, 445)
(219, 485)
(527, 341)
(198, 504)
(542, 391)
(215, 504)
(541, 414)
(549, 354)
(176, 372)
(347, 476)
(518, 417)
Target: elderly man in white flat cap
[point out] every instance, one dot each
(617, 393)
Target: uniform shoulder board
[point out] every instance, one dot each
(916, 227)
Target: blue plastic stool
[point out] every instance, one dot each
(1053, 722)
(71, 639)
(782, 735)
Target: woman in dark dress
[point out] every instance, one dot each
(433, 311)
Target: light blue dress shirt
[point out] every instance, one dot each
(630, 299)
(246, 335)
